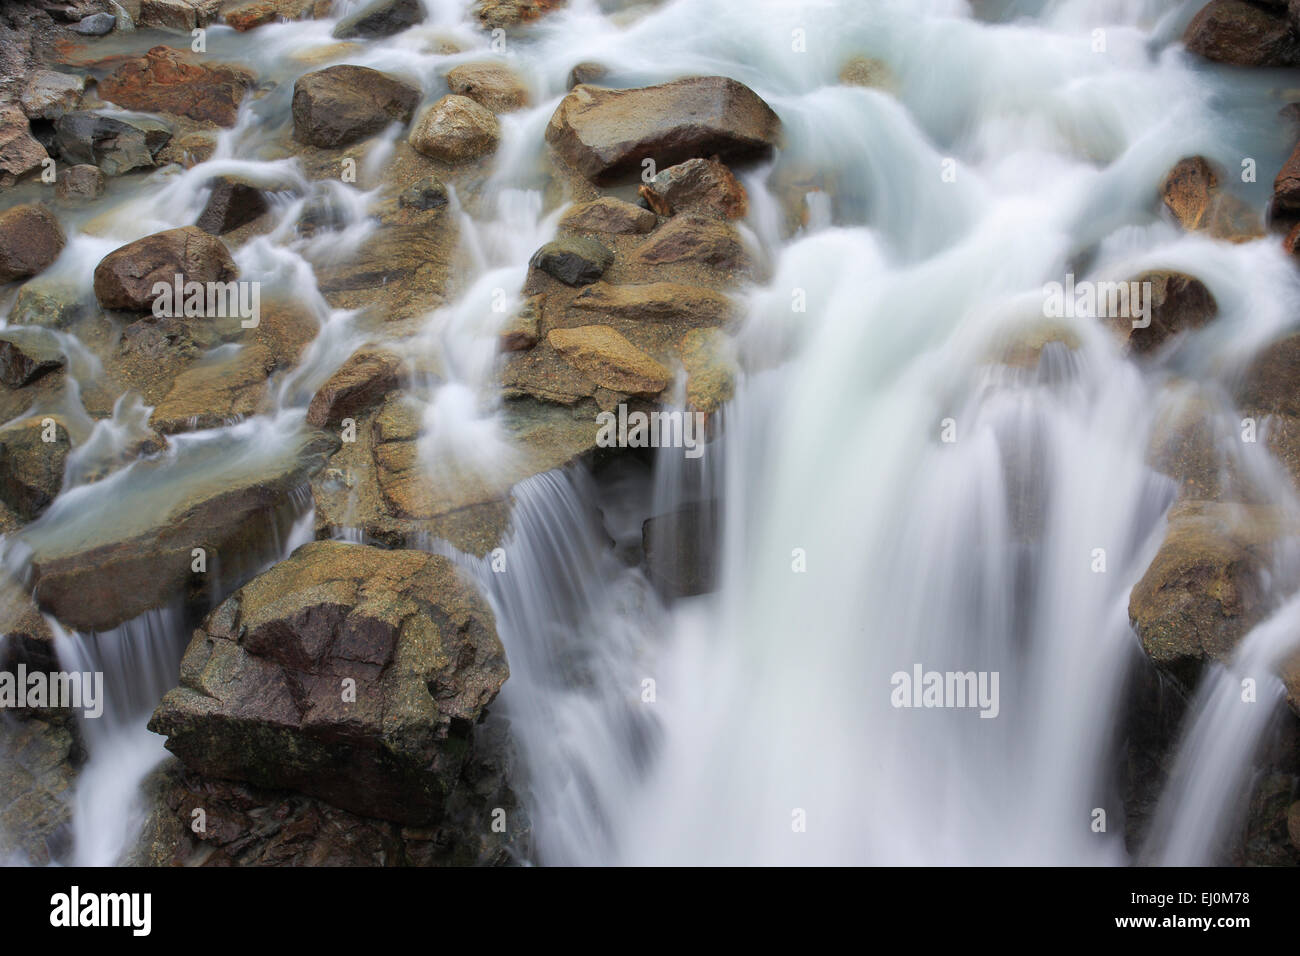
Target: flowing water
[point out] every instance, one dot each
(888, 492)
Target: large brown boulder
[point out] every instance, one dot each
(165, 81)
(124, 279)
(1178, 303)
(1243, 34)
(493, 85)
(32, 455)
(456, 129)
(606, 134)
(496, 14)
(339, 105)
(348, 673)
(30, 239)
(1193, 192)
(20, 152)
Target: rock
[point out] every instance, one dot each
(124, 279)
(247, 16)
(182, 15)
(339, 105)
(1293, 824)
(494, 14)
(264, 684)
(573, 260)
(1204, 589)
(699, 239)
(380, 18)
(30, 239)
(213, 394)
(864, 71)
(362, 382)
(605, 134)
(1268, 393)
(20, 152)
(522, 331)
(79, 183)
(95, 25)
(31, 467)
(1191, 191)
(610, 360)
(50, 305)
(26, 355)
(428, 193)
(49, 94)
(1023, 346)
(188, 150)
(233, 203)
(1179, 303)
(1242, 34)
(492, 85)
(1286, 187)
(607, 214)
(164, 81)
(38, 770)
(456, 129)
(667, 302)
(1191, 444)
(703, 186)
(710, 369)
(230, 500)
(586, 72)
(115, 144)
(681, 549)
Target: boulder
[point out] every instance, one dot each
(1205, 587)
(696, 239)
(181, 15)
(32, 455)
(865, 71)
(115, 144)
(380, 18)
(1240, 33)
(166, 81)
(233, 203)
(230, 500)
(573, 260)
(20, 152)
(95, 25)
(606, 134)
(1270, 393)
(456, 129)
(255, 13)
(348, 673)
(339, 105)
(492, 85)
(711, 369)
(1192, 192)
(38, 771)
(498, 14)
(361, 382)
(124, 279)
(666, 302)
(49, 94)
(1286, 188)
(586, 72)
(610, 360)
(1179, 303)
(703, 186)
(610, 215)
(80, 183)
(27, 354)
(52, 305)
(30, 239)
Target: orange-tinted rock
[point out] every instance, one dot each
(163, 81)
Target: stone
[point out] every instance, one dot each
(340, 105)
(455, 130)
(380, 18)
(711, 369)
(80, 183)
(262, 700)
(605, 134)
(213, 394)
(586, 72)
(115, 144)
(573, 260)
(361, 382)
(703, 186)
(21, 154)
(233, 203)
(181, 15)
(1239, 33)
(30, 239)
(1179, 303)
(666, 302)
(492, 85)
(610, 215)
(31, 467)
(165, 80)
(125, 278)
(95, 25)
(27, 354)
(428, 193)
(497, 14)
(696, 239)
(610, 360)
(522, 331)
(49, 94)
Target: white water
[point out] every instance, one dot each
(772, 695)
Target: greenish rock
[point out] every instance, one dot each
(32, 455)
(26, 355)
(428, 193)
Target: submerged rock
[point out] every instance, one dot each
(428, 193)
(125, 278)
(233, 203)
(215, 393)
(380, 18)
(605, 134)
(339, 105)
(83, 182)
(348, 673)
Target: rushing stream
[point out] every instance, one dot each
(888, 493)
